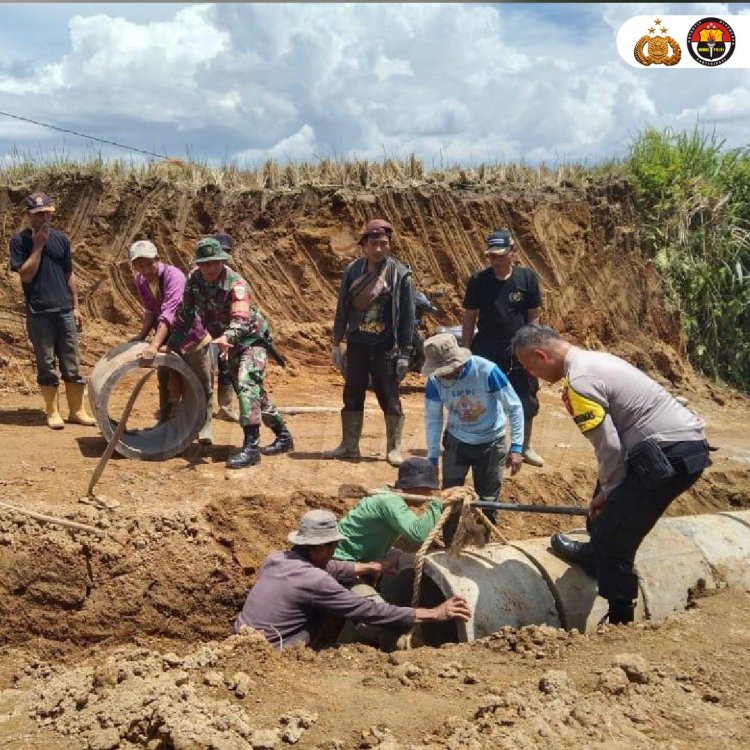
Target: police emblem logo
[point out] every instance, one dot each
(516, 296)
(655, 49)
(711, 41)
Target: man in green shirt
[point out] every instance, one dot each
(370, 529)
(374, 524)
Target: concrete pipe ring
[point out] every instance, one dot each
(164, 440)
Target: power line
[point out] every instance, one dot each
(83, 135)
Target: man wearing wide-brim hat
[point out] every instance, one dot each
(478, 399)
(221, 297)
(297, 588)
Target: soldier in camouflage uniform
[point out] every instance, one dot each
(220, 296)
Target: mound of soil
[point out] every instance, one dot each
(125, 642)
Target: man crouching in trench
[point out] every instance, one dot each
(297, 588)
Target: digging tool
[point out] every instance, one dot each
(353, 490)
(560, 510)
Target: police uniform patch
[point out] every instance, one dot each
(587, 414)
(516, 296)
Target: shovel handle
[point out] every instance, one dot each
(559, 510)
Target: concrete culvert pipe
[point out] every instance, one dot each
(523, 583)
(163, 440)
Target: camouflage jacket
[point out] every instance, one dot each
(224, 308)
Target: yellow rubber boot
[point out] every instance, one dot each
(54, 420)
(78, 413)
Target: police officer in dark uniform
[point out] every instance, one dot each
(499, 300)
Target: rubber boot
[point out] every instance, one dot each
(621, 613)
(249, 455)
(226, 409)
(530, 456)
(283, 443)
(206, 435)
(351, 431)
(394, 430)
(78, 413)
(49, 394)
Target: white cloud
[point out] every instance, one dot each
(299, 146)
(450, 82)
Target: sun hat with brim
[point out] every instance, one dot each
(443, 355)
(210, 249)
(316, 527)
(416, 472)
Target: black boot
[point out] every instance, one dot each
(249, 455)
(580, 553)
(283, 443)
(620, 613)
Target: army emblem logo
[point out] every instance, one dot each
(653, 49)
(711, 41)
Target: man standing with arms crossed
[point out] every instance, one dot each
(501, 299)
(42, 258)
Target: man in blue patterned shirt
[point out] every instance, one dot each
(477, 396)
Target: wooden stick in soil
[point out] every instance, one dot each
(54, 520)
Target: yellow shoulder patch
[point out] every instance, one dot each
(587, 414)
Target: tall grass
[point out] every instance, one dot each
(18, 167)
(694, 201)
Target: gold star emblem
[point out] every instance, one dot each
(651, 30)
(657, 21)
(663, 30)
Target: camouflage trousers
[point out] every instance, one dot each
(247, 371)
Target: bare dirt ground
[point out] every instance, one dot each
(124, 642)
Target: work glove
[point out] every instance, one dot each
(338, 359)
(402, 367)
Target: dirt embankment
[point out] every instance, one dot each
(293, 244)
(103, 643)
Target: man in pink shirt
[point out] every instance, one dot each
(160, 288)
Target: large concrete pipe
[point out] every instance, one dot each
(523, 583)
(163, 440)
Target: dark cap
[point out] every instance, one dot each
(500, 242)
(209, 249)
(38, 202)
(416, 472)
(225, 240)
(376, 228)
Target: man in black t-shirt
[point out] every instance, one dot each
(41, 257)
(498, 301)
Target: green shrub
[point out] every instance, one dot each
(694, 202)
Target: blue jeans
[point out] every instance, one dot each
(54, 337)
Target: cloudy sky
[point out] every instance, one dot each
(450, 82)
